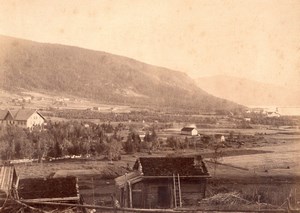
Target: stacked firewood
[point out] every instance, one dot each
(231, 198)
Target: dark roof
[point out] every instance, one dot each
(3, 114)
(187, 128)
(167, 166)
(122, 180)
(48, 188)
(23, 114)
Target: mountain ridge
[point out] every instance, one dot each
(248, 92)
(98, 75)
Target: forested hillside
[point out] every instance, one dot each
(97, 75)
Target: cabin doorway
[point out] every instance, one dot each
(163, 197)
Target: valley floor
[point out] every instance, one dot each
(270, 170)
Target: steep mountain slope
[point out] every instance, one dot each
(248, 92)
(97, 75)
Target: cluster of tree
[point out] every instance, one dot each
(60, 139)
(175, 143)
(135, 116)
(274, 121)
(135, 144)
(72, 138)
(242, 124)
(185, 143)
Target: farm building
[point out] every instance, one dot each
(96, 108)
(163, 182)
(15, 193)
(52, 189)
(5, 117)
(189, 131)
(25, 118)
(38, 191)
(247, 119)
(273, 115)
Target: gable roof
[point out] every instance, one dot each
(187, 128)
(3, 114)
(167, 166)
(23, 114)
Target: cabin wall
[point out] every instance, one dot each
(159, 193)
(192, 193)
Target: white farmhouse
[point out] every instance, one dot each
(273, 115)
(25, 118)
(189, 131)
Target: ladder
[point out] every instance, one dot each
(177, 191)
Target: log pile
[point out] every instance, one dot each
(12, 205)
(231, 198)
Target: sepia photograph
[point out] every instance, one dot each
(174, 106)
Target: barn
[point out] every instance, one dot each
(189, 131)
(163, 182)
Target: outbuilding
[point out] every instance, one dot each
(163, 182)
(189, 131)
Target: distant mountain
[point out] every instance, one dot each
(248, 92)
(99, 76)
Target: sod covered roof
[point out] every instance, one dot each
(167, 166)
(36, 188)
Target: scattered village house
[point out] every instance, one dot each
(273, 115)
(96, 108)
(189, 131)
(247, 119)
(163, 182)
(27, 99)
(25, 118)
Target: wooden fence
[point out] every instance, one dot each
(105, 209)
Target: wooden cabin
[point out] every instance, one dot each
(163, 182)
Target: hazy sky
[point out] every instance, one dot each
(257, 39)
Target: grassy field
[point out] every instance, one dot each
(250, 170)
(46, 101)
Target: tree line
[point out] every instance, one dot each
(59, 139)
(138, 116)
